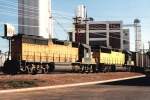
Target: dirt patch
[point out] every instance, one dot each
(24, 81)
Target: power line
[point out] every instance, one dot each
(25, 14)
(2, 23)
(61, 16)
(36, 8)
(16, 3)
(15, 15)
(62, 28)
(30, 8)
(37, 18)
(19, 9)
(31, 16)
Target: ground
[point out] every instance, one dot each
(135, 89)
(23, 81)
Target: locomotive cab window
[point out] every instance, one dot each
(105, 50)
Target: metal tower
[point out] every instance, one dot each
(137, 27)
(138, 41)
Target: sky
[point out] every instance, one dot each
(100, 10)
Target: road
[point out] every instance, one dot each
(135, 89)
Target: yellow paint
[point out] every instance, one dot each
(49, 53)
(117, 58)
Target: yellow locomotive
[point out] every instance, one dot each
(109, 59)
(30, 54)
(34, 54)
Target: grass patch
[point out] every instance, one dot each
(21, 84)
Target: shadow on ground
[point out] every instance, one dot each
(132, 82)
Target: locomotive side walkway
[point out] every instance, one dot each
(52, 81)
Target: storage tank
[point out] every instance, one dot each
(81, 12)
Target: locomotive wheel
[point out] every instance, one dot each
(91, 68)
(94, 69)
(45, 70)
(104, 69)
(29, 69)
(129, 69)
(11, 67)
(88, 69)
(23, 70)
(82, 69)
(113, 68)
(34, 71)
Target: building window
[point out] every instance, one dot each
(125, 42)
(114, 26)
(98, 43)
(125, 34)
(98, 35)
(97, 26)
(115, 40)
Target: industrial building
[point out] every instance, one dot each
(100, 33)
(34, 17)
